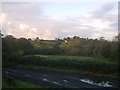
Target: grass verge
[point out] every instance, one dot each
(15, 83)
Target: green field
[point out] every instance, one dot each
(67, 63)
(63, 45)
(78, 58)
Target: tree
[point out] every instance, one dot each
(102, 39)
(24, 46)
(9, 42)
(37, 39)
(29, 39)
(116, 38)
(76, 37)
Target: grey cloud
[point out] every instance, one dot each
(64, 29)
(107, 13)
(103, 10)
(23, 11)
(47, 28)
(115, 24)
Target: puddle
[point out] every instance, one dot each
(45, 79)
(57, 83)
(65, 80)
(102, 84)
(27, 76)
(43, 74)
(6, 72)
(12, 70)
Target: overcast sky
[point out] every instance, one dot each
(52, 20)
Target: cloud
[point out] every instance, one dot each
(107, 14)
(22, 10)
(19, 18)
(28, 20)
(23, 26)
(2, 18)
(102, 11)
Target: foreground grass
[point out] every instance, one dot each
(80, 64)
(14, 83)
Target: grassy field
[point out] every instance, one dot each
(78, 58)
(15, 83)
(67, 63)
(63, 45)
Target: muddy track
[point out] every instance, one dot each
(59, 79)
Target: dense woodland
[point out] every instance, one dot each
(74, 46)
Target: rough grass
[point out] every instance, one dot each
(76, 63)
(15, 83)
(47, 42)
(63, 45)
(79, 58)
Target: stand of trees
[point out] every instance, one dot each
(102, 48)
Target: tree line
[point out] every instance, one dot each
(74, 46)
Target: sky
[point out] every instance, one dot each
(50, 20)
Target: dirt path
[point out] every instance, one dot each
(59, 79)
